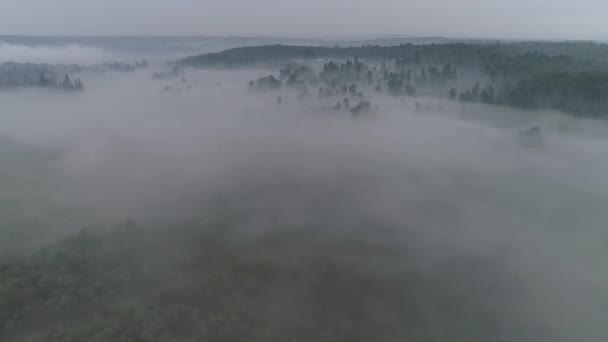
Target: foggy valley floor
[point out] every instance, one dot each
(136, 212)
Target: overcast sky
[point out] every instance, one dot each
(582, 19)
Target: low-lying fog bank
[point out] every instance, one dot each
(521, 219)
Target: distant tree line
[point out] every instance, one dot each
(526, 75)
(57, 76)
(120, 66)
(14, 75)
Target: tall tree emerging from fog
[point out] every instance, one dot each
(67, 83)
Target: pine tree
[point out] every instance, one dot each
(67, 83)
(78, 84)
(42, 80)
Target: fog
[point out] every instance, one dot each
(541, 19)
(452, 183)
(70, 54)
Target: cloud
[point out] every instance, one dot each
(67, 54)
(456, 187)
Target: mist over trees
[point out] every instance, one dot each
(269, 287)
(302, 193)
(39, 75)
(514, 74)
(58, 76)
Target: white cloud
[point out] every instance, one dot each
(51, 54)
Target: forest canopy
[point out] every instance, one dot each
(526, 75)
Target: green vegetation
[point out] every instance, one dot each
(30, 213)
(39, 75)
(211, 282)
(583, 93)
(531, 76)
(57, 76)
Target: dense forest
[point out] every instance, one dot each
(571, 77)
(208, 282)
(14, 75)
(182, 205)
(239, 271)
(57, 76)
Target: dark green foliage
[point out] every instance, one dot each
(361, 108)
(527, 64)
(43, 81)
(292, 80)
(67, 83)
(434, 53)
(346, 103)
(347, 72)
(141, 64)
(395, 84)
(487, 95)
(470, 95)
(14, 75)
(212, 283)
(528, 75)
(174, 72)
(78, 84)
(71, 85)
(267, 83)
(304, 93)
(64, 282)
(453, 93)
(466, 96)
(297, 74)
(410, 90)
(580, 93)
(448, 72)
